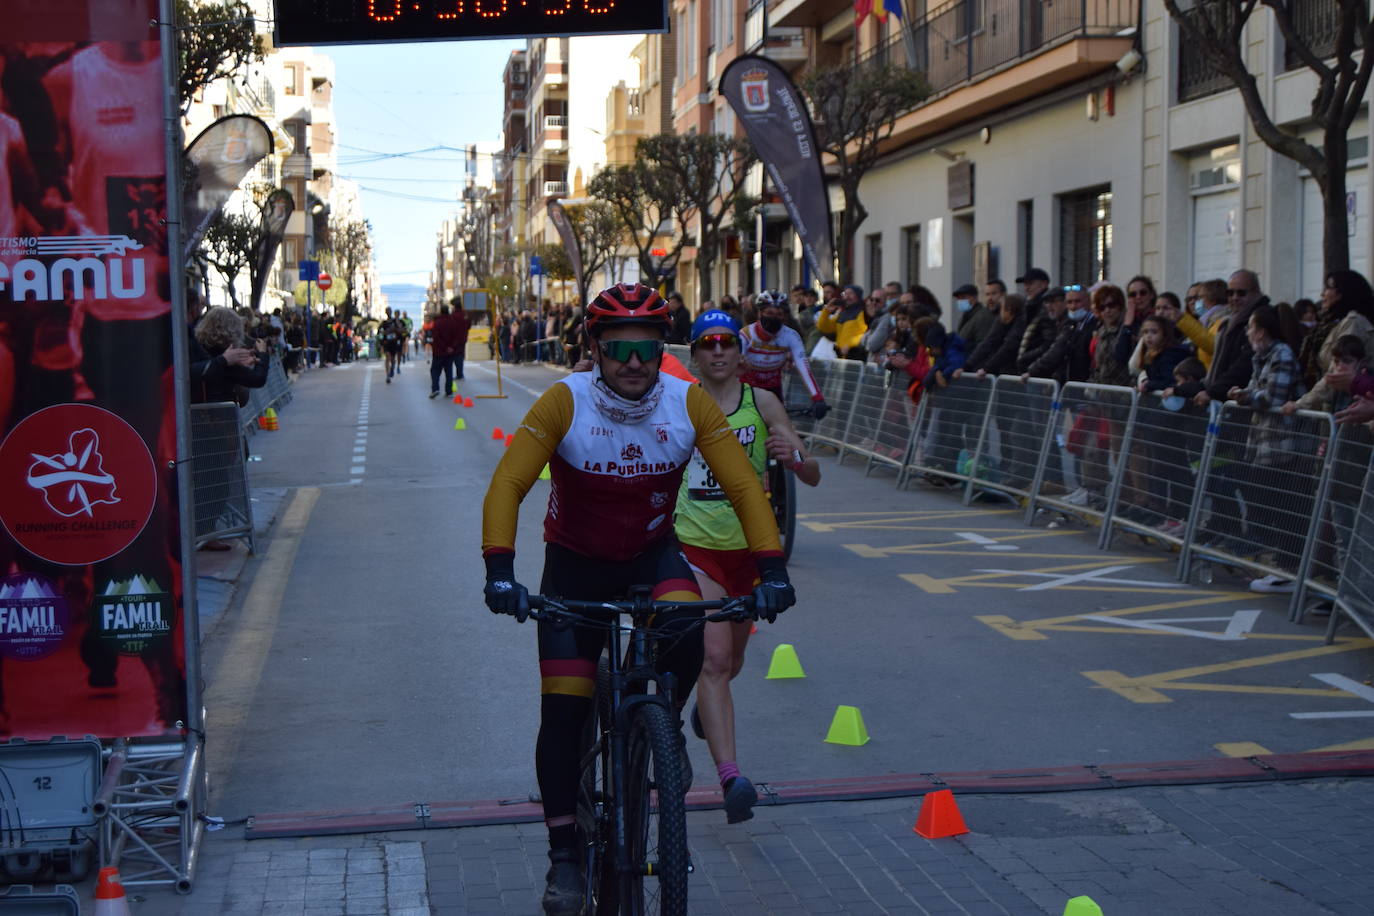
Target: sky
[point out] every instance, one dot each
(396, 99)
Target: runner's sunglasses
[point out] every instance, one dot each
(711, 341)
(622, 350)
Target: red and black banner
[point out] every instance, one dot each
(91, 603)
(776, 121)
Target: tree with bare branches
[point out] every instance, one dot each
(215, 40)
(856, 110)
(350, 244)
(1216, 29)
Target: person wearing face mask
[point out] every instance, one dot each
(973, 320)
(768, 344)
(1069, 358)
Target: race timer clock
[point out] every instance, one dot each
(317, 22)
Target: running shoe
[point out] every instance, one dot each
(564, 891)
(1272, 585)
(1078, 497)
(1172, 528)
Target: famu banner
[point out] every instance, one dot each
(91, 603)
(776, 121)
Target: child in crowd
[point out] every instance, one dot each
(1188, 376)
(1175, 441)
(1156, 355)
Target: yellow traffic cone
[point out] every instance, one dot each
(784, 664)
(544, 474)
(460, 423)
(847, 727)
(1082, 906)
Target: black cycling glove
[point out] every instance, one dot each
(819, 409)
(502, 593)
(774, 593)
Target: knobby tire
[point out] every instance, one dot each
(595, 800)
(655, 815)
(782, 494)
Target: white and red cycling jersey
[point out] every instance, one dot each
(764, 357)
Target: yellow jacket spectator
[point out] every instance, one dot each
(844, 321)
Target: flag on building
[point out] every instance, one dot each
(861, 10)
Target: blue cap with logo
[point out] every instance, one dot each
(714, 319)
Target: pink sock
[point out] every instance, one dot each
(727, 771)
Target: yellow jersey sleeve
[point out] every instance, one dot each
(730, 465)
(534, 444)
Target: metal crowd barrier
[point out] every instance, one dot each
(274, 394)
(219, 474)
(1260, 483)
(1263, 493)
(1354, 597)
(948, 431)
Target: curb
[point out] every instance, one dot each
(445, 815)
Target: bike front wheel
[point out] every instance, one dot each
(655, 816)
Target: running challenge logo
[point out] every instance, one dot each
(79, 482)
(79, 266)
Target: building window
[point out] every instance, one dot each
(911, 255)
(295, 75)
(873, 246)
(1025, 232)
(1085, 235)
(691, 44)
(1318, 23)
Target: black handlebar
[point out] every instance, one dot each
(546, 607)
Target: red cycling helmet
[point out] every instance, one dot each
(627, 303)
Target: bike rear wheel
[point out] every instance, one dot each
(782, 495)
(655, 816)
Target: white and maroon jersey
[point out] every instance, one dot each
(764, 358)
(615, 484)
(11, 137)
(118, 171)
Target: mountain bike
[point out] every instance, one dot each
(631, 800)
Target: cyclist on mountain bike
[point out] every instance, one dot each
(617, 441)
(715, 544)
(768, 344)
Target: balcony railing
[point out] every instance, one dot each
(1198, 75)
(1318, 22)
(970, 38)
(556, 122)
(753, 26)
(555, 189)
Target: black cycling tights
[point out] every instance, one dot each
(568, 656)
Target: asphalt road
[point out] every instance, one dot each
(357, 666)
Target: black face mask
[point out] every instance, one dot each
(771, 325)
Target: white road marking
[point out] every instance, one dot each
(1237, 625)
(1349, 685)
(1100, 576)
(985, 542)
(507, 380)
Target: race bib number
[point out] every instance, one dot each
(701, 483)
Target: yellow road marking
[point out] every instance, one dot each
(879, 521)
(1023, 629)
(1241, 748)
(970, 547)
(1148, 688)
(1363, 744)
(233, 689)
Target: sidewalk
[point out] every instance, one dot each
(1278, 849)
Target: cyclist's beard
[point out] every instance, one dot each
(619, 409)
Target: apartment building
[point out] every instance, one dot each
(1086, 139)
(510, 168)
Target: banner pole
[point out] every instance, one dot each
(500, 388)
(171, 106)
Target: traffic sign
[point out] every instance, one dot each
(536, 265)
(325, 281)
(309, 270)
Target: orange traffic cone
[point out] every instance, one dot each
(109, 894)
(458, 399)
(939, 816)
(271, 416)
(262, 422)
(497, 434)
(510, 437)
(467, 402)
